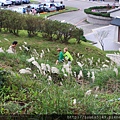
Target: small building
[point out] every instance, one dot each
(115, 14)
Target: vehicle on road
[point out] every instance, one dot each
(58, 7)
(26, 1)
(5, 2)
(48, 7)
(16, 2)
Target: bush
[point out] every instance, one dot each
(83, 38)
(89, 11)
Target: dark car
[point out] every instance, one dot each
(16, 2)
(26, 1)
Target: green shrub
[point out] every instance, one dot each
(89, 11)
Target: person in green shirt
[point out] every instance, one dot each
(60, 56)
(68, 56)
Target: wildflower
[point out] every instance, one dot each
(75, 74)
(54, 70)
(61, 83)
(65, 75)
(88, 74)
(41, 55)
(34, 75)
(25, 43)
(48, 50)
(93, 77)
(48, 67)
(6, 39)
(31, 59)
(43, 66)
(26, 48)
(95, 95)
(107, 61)
(35, 52)
(74, 102)
(37, 65)
(43, 52)
(20, 48)
(116, 71)
(98, 60)
(80, 64)
(88, 93)
(105, 66)
(25, 71)
(80, 75)
(67, 68)
(49, 78)
(28, 68)
(96, 64)
(63, 70)
(1, 50)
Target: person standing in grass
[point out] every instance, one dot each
(68, 56)
(60, 56)
(13, 46)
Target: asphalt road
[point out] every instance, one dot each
(77, 17)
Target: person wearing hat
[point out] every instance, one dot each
(60, 56)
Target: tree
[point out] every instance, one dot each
(101, 35)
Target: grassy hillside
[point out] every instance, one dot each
(63, 93)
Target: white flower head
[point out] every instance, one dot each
(54, 70)
(25, 71)
(88, 93)
(74, 102)
(6, 39)
(25, 43)
(49, 78)
(93, 77)
(26, 48)
(20, 48)
(48, 50)
(116, 71)
(43, 52)
(79, 64)
(1, 50)
(41, 55)
(88, 74)
(31, 59)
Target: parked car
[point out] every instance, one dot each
(58, 6)
(5, 2)
(61, 5)
(26, 1)
(40, 9)
(16, 2)
(48, 7)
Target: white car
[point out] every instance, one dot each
(48, 7)
(5, 2)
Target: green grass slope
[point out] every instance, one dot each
(36, 93)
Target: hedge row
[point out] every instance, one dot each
(13, 22)
(89, 11)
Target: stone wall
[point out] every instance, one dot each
(98, 19)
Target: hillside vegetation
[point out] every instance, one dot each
(90, 86)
